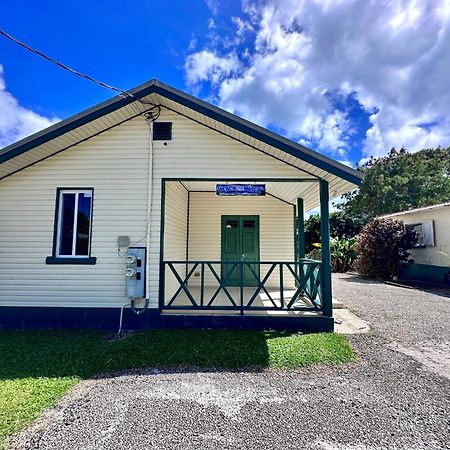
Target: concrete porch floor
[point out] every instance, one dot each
(261, 300)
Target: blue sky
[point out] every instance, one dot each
(348, 78)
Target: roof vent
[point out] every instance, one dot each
(162, 131)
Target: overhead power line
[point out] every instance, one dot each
(121, 92)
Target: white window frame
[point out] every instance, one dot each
(84, 191)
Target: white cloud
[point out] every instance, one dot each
(16, 121)
(393, 57)
(207, 66)
(213, 6)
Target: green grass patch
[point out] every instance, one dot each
(38, 367)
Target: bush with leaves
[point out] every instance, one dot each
(342, 252)
(341, 226)
(382, 246)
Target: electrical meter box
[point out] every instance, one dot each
(135, 272)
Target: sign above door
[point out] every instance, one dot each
(241, 189)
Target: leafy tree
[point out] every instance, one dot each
(341, 226)
(382, 246)
(401, 181)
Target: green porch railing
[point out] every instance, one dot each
(198, 285)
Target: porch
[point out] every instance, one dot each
(242, 255)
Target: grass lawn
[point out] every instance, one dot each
(38, 367)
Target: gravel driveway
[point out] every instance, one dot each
(390, 399)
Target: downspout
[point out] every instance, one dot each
(149, 207)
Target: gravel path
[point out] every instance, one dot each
(388, 400)
(414, 322)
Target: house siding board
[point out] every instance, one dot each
(27, 205)
(175, 232)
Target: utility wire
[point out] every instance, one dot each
(121, 92)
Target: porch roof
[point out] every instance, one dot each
(117, 110)
(285, 190)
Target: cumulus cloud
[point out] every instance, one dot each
(16, 121)
(392, 58)
(208, 66)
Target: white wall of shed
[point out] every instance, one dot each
(439, 254)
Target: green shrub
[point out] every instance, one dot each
(341, 226)
(342, 252)
(382, 246)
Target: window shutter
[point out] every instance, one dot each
(428, 233)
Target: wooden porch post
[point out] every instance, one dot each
(301, 229)
(325, 244)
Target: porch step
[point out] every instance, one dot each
(337, 304)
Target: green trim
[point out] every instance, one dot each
(294, 229)
(219, 179)
(161, 244)
(187, 227)
(89, 261)
(325, 247)
(424, 272)
(279, 199)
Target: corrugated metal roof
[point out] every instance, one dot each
(117, 110)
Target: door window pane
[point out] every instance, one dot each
(231, 223)
(249, 224)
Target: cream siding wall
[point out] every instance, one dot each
(439, 255)
(175, 232)
(276, 222)
(115, 164)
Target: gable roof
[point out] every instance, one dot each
(112, 112)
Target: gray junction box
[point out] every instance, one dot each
(135, 272)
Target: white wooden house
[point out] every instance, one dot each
(79, 197)
(431, 255)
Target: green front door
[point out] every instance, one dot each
(240, 242)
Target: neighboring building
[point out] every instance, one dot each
(432, 253)
(181, 207)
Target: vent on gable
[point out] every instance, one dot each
(162, 131)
